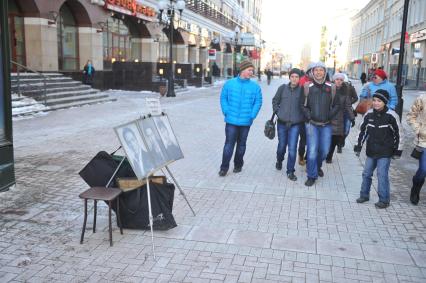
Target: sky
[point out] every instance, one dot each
(288, 24)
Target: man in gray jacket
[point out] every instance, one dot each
(290, 118)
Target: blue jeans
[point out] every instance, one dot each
(421, 171)
(318, 141)
(234, 134)
(347, 126)
(382, 165)
(287, 136)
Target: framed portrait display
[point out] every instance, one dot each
(168, 137)
(135, 148)
(154, 142)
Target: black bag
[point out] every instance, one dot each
(133, 204)
(416, 153)
(100, 169)
(270, 128)
(134, 207)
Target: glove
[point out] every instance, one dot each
(357, 153)
(352, 123)
(396, 157)
(357, 150)
(397, 154)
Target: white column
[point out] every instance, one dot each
(150, 50)
(180, 53)
(41, 44)
(90, 47)
(194, 54)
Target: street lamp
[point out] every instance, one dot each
(399, 86)
(333, 44)
(236, 48)
(170, 6)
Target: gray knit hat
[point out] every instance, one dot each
(382, 94)
(319, 64)
(245, 64)
(339, 76)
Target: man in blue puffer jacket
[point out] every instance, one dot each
(240, 100)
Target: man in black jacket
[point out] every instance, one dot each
(290, 118)
(319, 107)
(383, 133)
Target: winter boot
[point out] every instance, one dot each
(415, 192)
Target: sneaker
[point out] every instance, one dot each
(320, 172)
(310, 182)
(279, 165)
(381, 204)
(362, 199)
(292, 177)
(237, 169)
(222, 173)
(328, 161)
(339, 149)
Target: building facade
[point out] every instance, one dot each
(375, 40)
(61, 35)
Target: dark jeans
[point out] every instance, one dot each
(287, 137)
(302, 141)
(335, 141)
(234, 135)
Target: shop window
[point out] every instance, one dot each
(67, 40)
(118, 44)
(16, 34)
(163, 48)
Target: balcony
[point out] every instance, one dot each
(203, 8)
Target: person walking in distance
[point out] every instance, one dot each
(240, 100)
(286, 105)
(416, 118)
(338, 122)
(383, 133)
(319, 108)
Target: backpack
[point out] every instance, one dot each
(306, 93)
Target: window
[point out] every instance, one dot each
(117, 42)
(67, 40)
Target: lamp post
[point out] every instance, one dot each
(333, 44)
(399, 86)
(236, 48)
(170, 7)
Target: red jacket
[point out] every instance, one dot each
(303, 80)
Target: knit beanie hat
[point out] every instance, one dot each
(382, 94)
(295, 71)
(338, 76)
(319, 65)
(245, 64)
(381, 73)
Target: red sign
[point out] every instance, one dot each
(132, 7)
(212, 54)
(407, 38)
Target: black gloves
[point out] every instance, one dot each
(396, 154)
(352, 123)
(357, 150)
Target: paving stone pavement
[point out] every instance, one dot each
(255, 226)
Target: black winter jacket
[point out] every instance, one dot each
(286, 104)
(383, 133)
(319, 108)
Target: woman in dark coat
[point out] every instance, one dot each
(338, 122)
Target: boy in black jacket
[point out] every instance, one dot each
(383, 133)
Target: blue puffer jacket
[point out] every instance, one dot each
(370, 88)
(240, 101)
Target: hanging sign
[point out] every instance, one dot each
(131, 7)
(212, 54)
